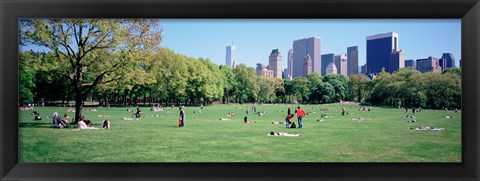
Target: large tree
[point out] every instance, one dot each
(87, 44)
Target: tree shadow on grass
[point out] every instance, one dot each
(36, 125)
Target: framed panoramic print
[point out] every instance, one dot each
(245, 90)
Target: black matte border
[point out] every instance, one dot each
(11, 10)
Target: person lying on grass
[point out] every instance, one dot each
(411, 121)
(224, 119)
(282, 134)
(245, 120)
(125, 118)
(359, 119)
(275, 122)
(449, 117)
(85, 124)
(428, 128)
(410, 116)
(321, 120)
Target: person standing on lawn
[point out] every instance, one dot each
(300, 114)
(181, 123)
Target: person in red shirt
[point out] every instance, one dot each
(287, 120)
(300, 114)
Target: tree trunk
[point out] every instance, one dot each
(78, 94)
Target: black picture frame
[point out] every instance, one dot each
(466, 10)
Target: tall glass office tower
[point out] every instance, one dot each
(352, 60)
(379, 48)
(301, 48)
(231, 55)
(326, 60)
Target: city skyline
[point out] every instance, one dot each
(254, 39)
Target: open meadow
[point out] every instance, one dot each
(385, 137)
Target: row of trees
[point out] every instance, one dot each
(121, 62)
(171, 78)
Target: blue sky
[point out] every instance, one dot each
(255, 38)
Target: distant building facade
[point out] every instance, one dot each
(331, 68)
(447, 61)
(300, 49)
(275, 63)
(379, 48)
(352, 60)
(326, 60)
(290, 63)
(429, 64)
(363, 69)
(231, 54)
(341, 64)
(307, 65)
(396, 61)
(263, 71)
(411, 63)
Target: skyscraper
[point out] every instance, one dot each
(290, 63)
(341, 64)
(326, 60)
(285, 74)
(411, 63)
(396, 61)
(429, 64)
(379, 48)
(307, 65)
(447, 61)
(230, 58)
(363, 69)
(352, 60)
(300, 49)
(275, 63)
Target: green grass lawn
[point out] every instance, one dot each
(386, 137)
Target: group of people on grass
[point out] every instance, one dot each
(59, 122)
(300, 114)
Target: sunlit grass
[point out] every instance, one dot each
(386, 137)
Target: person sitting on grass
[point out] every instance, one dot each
(323, 116)
(58, 122)
(282, 134)
(449, 117)
(37, 117)
(106, 124)
(288, 120)
(429, 128)
(245, 120)
(138, 112)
